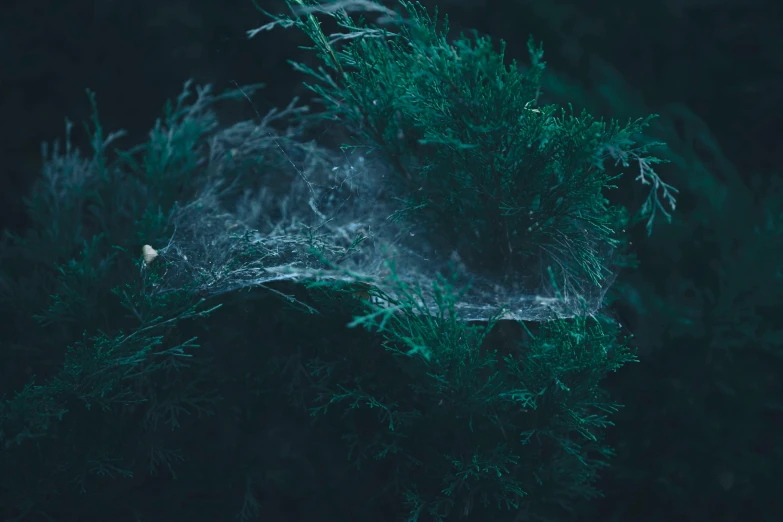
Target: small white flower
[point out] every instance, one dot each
(149, 254)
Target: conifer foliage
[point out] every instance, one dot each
(137, 347)
(512, 186)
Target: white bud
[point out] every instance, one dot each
(149, 254)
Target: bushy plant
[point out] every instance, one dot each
(465, 428)
(480, 167)
(319, 364)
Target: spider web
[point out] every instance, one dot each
(272, 208)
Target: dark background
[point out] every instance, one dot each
(721, 58)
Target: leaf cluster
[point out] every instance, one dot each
(96, 325)
(479, 166)
(466, 429)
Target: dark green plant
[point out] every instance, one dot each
(712, 346)
(467, 430)
(113, 373)
(479, 165)
(697, 439)
(414, 412)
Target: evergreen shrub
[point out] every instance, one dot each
(248, 323)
